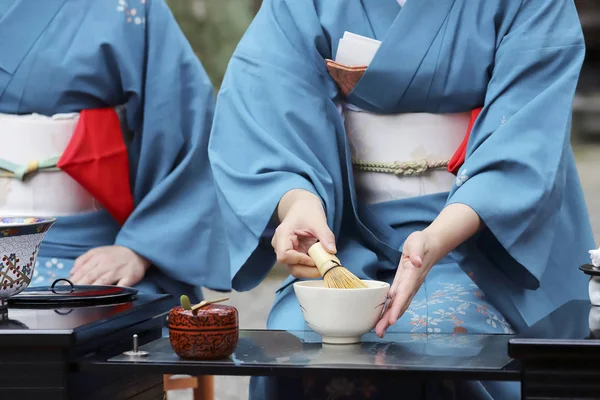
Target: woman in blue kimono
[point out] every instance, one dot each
(61, 57)
(492, 251)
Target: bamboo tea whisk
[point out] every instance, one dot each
(331, 269)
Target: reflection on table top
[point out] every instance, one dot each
(68, 326)
(274, 352)
(68, 318)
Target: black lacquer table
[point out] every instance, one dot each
(40, 349)
(48, 353)
(560, 355)
(281, 353)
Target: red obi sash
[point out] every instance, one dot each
(458, 159)
(96, 157)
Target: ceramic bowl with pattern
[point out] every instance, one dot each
(211, 334)
(20, 240)
(341, 316)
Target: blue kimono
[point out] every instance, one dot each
(61, 56)
(277, 128)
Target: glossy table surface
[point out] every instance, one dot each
(68, 326)
(263, 352)
(560, 355)
(573, 327)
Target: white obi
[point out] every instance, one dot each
(28, 138)
(403, 137)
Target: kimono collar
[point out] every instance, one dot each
(406, 44)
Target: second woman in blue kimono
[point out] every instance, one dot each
(63, 58)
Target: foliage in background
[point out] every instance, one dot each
(213, 28)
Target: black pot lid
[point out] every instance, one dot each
(69, 293)
(589, 269)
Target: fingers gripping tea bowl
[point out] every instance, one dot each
(20, 240)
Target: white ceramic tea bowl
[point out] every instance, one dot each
(20, 240)
(341, 316)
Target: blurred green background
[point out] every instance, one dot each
(214, 27)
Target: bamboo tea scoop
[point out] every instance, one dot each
(187, 305)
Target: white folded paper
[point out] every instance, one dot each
(356, 50)
(595, 256)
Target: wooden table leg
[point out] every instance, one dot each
(203, 386)
(205, 389)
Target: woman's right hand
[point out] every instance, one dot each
(303, 223)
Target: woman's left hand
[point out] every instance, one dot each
(417, 259)
(109, 265)
(422, 250)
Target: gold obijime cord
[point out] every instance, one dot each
(406, 168)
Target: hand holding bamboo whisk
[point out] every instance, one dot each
(331, 269)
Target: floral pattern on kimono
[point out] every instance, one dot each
(133, 14)
(451, 303)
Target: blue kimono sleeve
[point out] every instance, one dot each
(274, 130)
(517, 158)
(176, 223)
